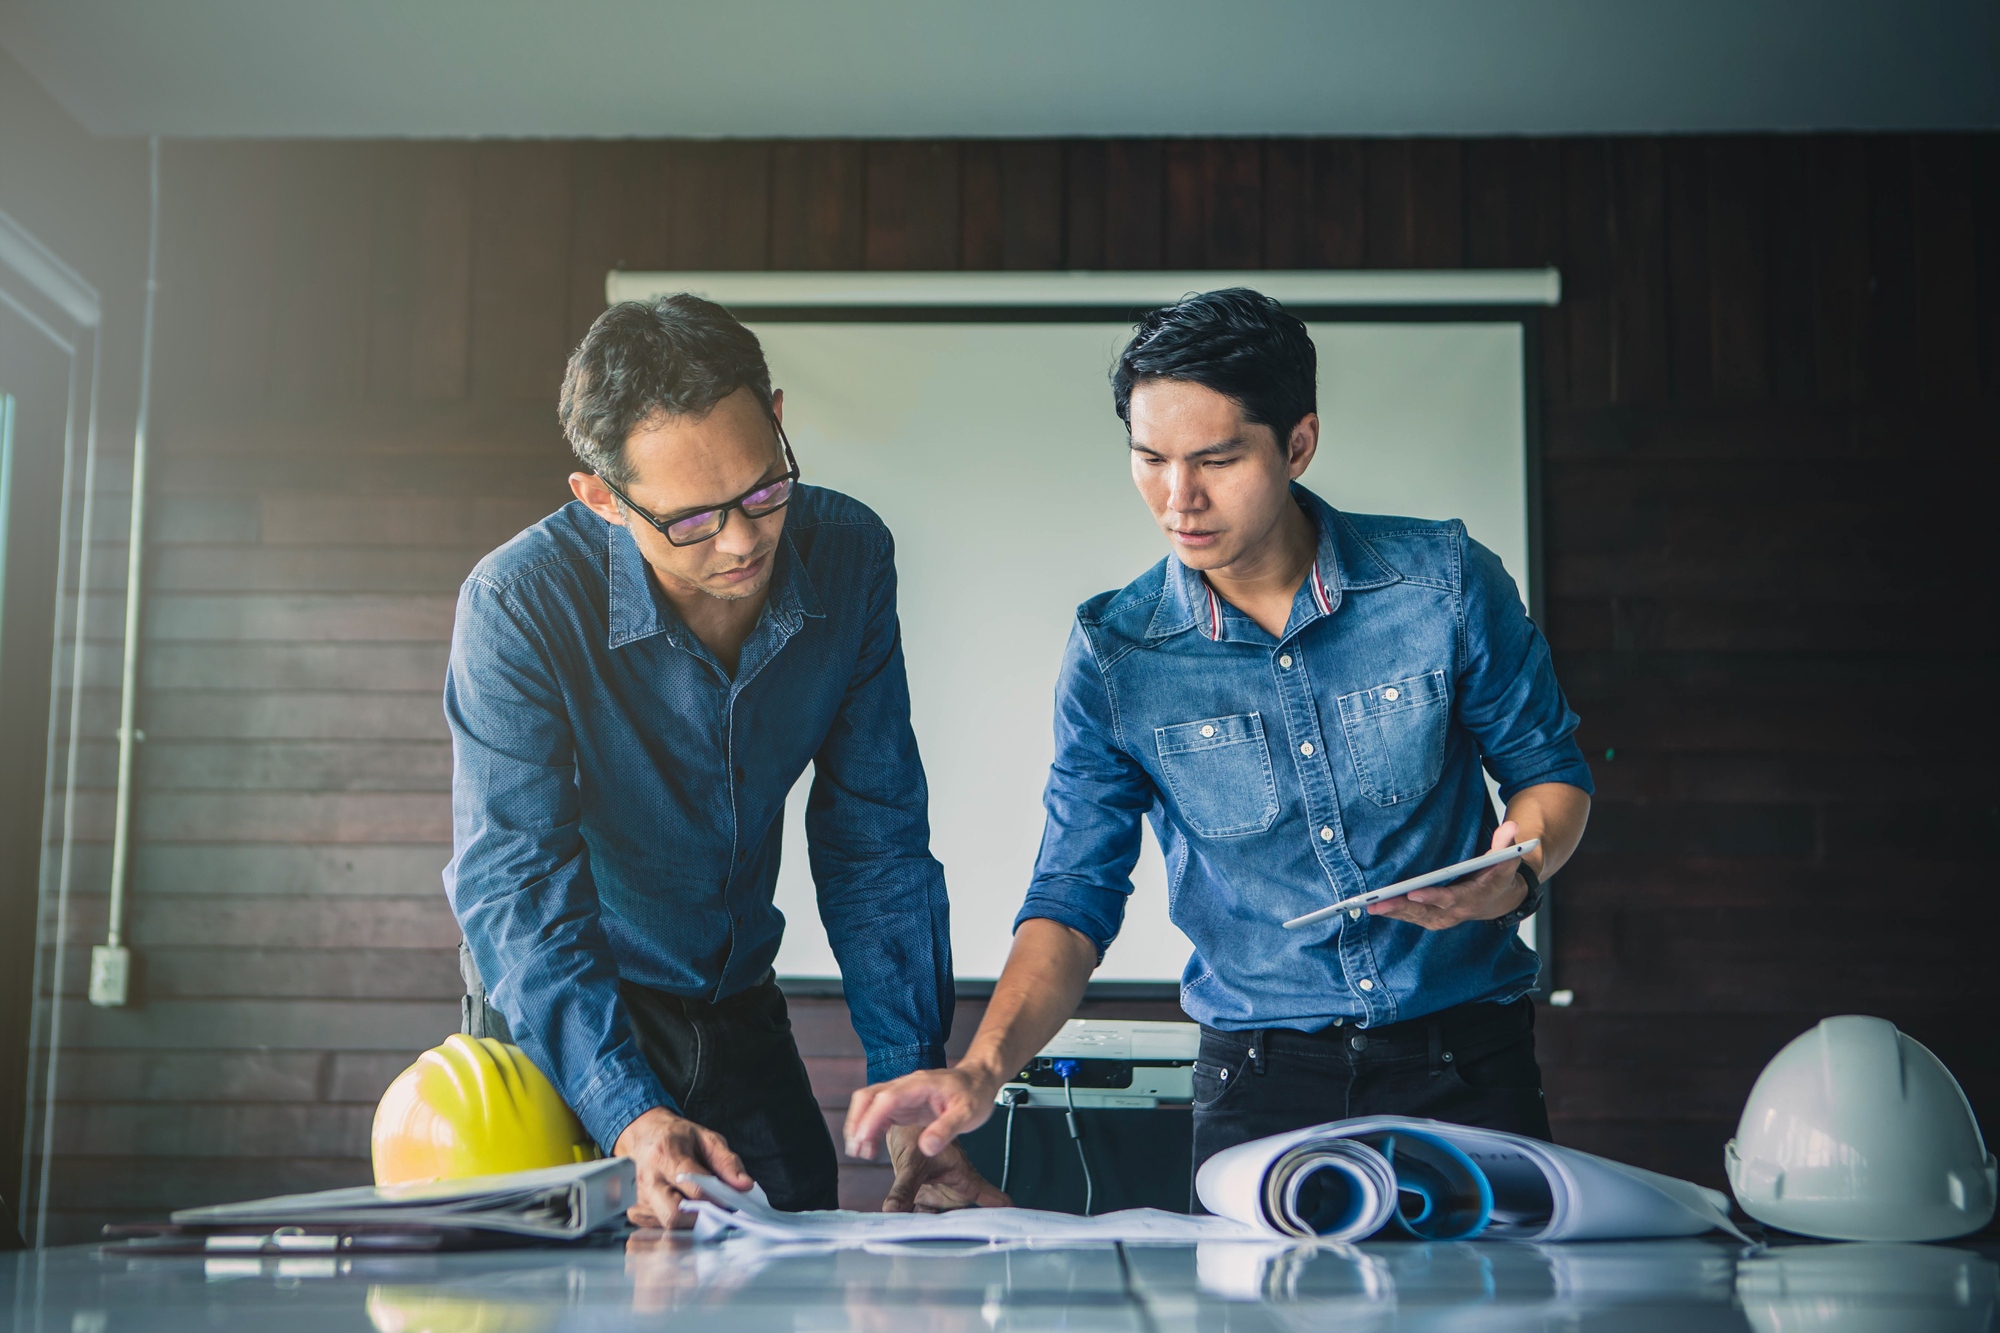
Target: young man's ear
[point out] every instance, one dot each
(590, 488)
(1302, 446)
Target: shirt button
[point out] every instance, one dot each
(1366, 984)
(739, 772)
(1208, 731)
(1354, 912)
(1390, 694)
(1358, 1043)
(1307, 748)
(1325, 834)
(1286, 661)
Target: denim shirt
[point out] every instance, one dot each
(1284, 774)
(618, 797)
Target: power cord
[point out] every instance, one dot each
(1067, 1070)
(1013, 1097)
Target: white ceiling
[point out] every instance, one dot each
(1018, 67)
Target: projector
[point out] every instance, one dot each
(1099, 1063)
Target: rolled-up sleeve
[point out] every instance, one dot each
(519, 879)
(881, 892)
(1508, 697)
(1094, 804)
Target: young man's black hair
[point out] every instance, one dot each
(1240, 343)
(679, 355)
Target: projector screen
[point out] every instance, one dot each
(992, 452)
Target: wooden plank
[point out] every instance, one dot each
(309, 568)
(1290, 225)
(358, 1076)
(1031, 199)
(285, 816)
(1985, 174)
(1185, 201)
(520, 269)
(912, 209)
(1085, 180)
(1603, 880)
(542, 478)
(319, 316)
(322, 766)
(1135, 204)
(300, 666)
(1339, 204)
(1233, 204)
(1760, 625)
(618, 219)
(276, 1025)
(979, 205)
(112, 1183)
(1789, 431)
(194, 1076)
(1641, 363)
(1437, 203)
(1586, 272)
(218, 236)
(264, 870)
(304, 715)
(402, 432)
(420, 271)
(1889, 332)
(1738, 269)
(183, 518)
(1689, 291)
(1838, 181)
(300, 617)
(322, 973)
(268, 922)
(195, 1130)
(1789, 206)
(817, 193)
(320, 519)
(719, 210)
(1390, 237)
(1946, 265)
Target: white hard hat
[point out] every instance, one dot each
(1856, 1132)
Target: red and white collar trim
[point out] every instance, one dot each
(1320, 598)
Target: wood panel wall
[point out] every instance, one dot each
(1765, 397)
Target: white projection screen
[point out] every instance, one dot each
(991, 450)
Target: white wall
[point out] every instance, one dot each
(993, 453)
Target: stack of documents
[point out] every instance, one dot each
(554, 1203)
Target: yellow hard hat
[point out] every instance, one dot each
(473, 1107)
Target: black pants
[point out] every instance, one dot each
(1472, 1065)
(735, 1069)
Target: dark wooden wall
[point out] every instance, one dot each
(1767, 396)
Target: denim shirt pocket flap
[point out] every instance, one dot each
(1396, 735)
(1219, 772)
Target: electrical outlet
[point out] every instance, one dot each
(110, 970)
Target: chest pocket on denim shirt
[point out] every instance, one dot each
(1220, 774)
(1395, 733)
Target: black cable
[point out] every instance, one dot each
(1089, 1190)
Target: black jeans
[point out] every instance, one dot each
(735, 1069)
(1473, 1064)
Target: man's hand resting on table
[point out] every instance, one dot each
(1493, 892)
(664, 1147)
(920, 1117)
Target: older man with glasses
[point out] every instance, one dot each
(636, 682)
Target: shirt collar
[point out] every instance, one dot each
(639, 610)
(1343, 562)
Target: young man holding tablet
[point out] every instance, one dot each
(1301, 700)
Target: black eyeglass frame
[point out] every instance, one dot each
(663, 522)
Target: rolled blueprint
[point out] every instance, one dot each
(1323, 1181)
(1329, 1182)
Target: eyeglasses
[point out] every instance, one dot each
(691, 527)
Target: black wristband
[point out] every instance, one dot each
(1530, 904)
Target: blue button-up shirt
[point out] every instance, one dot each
(1284, 774)
(618, 797)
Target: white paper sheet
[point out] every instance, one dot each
(1020, 1226)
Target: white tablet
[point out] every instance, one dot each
(1449, 873)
